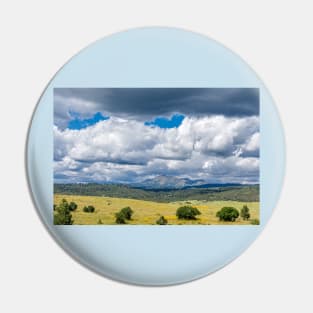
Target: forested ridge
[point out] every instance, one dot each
(244, 193)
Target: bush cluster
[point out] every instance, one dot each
(89, 209)
(187, 212)
(244, 213)
(127, 212)
(227, 214)
(62, 214)
(120, 218)
(123, 215)
(162, 220)
(72, 206)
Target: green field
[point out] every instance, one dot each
(147, 212)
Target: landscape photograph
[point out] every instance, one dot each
(156, 156)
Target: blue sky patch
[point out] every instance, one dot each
(164, 122)
(78, 123)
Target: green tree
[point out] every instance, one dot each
(89, 209)
(162, 221)
(62, 214)
(120, 218)
(187, 212)
(72, 206)
(128, 212)
(228, 214)
(123, 215)
(244, 212)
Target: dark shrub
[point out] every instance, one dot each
(162, 221)
(128, 212)
(62, 214)
(72, 206)
(123, 215)
(89, 209)
(187, 212)
(255, 222)
(120, 218)
(244, 213)
(99, 221)
(228, 214)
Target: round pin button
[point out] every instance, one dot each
(155, 156)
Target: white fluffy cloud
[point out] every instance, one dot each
(214, 148)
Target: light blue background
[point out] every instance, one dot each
(151, 255)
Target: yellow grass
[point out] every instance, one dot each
(147, 212)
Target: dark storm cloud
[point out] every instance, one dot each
(147, 102)
(110, 160)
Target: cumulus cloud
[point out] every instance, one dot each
(215, 148)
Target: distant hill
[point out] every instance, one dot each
(210, 192)
(168, 182)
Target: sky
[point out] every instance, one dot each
(129, 135)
